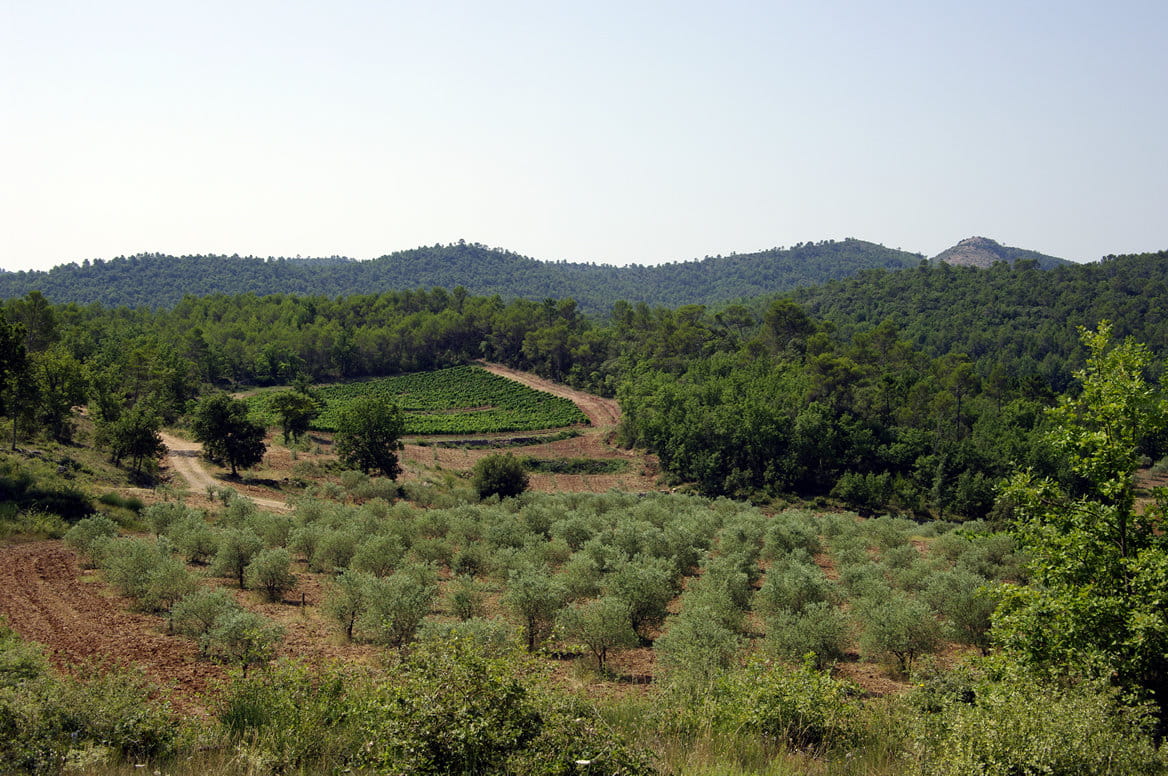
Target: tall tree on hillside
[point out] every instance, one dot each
(13, 373)
(62, 384)
(228, 436)
(297, 410)
(1099, 564)
(369, 435)
(133, 434)
(37, 320)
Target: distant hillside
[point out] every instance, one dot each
(983, 252)
(154, 280)
(1015, 315)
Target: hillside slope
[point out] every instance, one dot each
(983, 252)
(155, 280)
(1010, 314)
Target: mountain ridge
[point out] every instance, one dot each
(156, 280)
(160, 281)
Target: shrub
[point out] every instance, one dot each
(489, 636)
(819, 629)
(464, 597)
(197, 541)
(715, 603)
(534, 597)
(166, 583)
(471, 560)
(646, 587)
(453, 709)
(347, 598)
(726, 573)
(902, 627)
(334, 551)
(128, 563)
(499, 475)
(243, 638)
(695, 651)
(195, 615)
(48, 723)
(378, 555)
(304, 538)
(793, 586)
(1020, 725)
(161, 516)
(20, 661)
(804, 708)
(270, 571)
(274, 530)
(87, 533)
(601, 625)
(790, 530)
(966, 601)
(236, 549)
(296, 719)
(396, 605)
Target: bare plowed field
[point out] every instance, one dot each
(45, 598)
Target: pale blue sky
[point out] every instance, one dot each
(600, 131)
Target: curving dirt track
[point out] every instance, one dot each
(183, 457)
(44, 598)
(602, 413)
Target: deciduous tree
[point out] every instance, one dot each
(1099, 565)
(228, 436)
(369, 435)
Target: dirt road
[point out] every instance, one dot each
(602, 413)
(44, 598)
(185, 458)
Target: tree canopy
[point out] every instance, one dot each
(1099, 563)
(369, 436)
(228, 436)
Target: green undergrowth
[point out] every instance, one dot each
(574, 465)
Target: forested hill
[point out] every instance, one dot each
(155, 280)
(1018, 316)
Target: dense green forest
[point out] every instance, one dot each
(915, 390)
(155, 280)
(1018, 317)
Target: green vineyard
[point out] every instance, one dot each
(459, 400)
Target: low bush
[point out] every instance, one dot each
(499, 475)
(899, 627)
(395, 606)
(819, 630)
(803, 708)
(87, 534)
(1017, 724)
(793, 586)
(270, 571)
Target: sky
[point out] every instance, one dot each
(608, 132)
